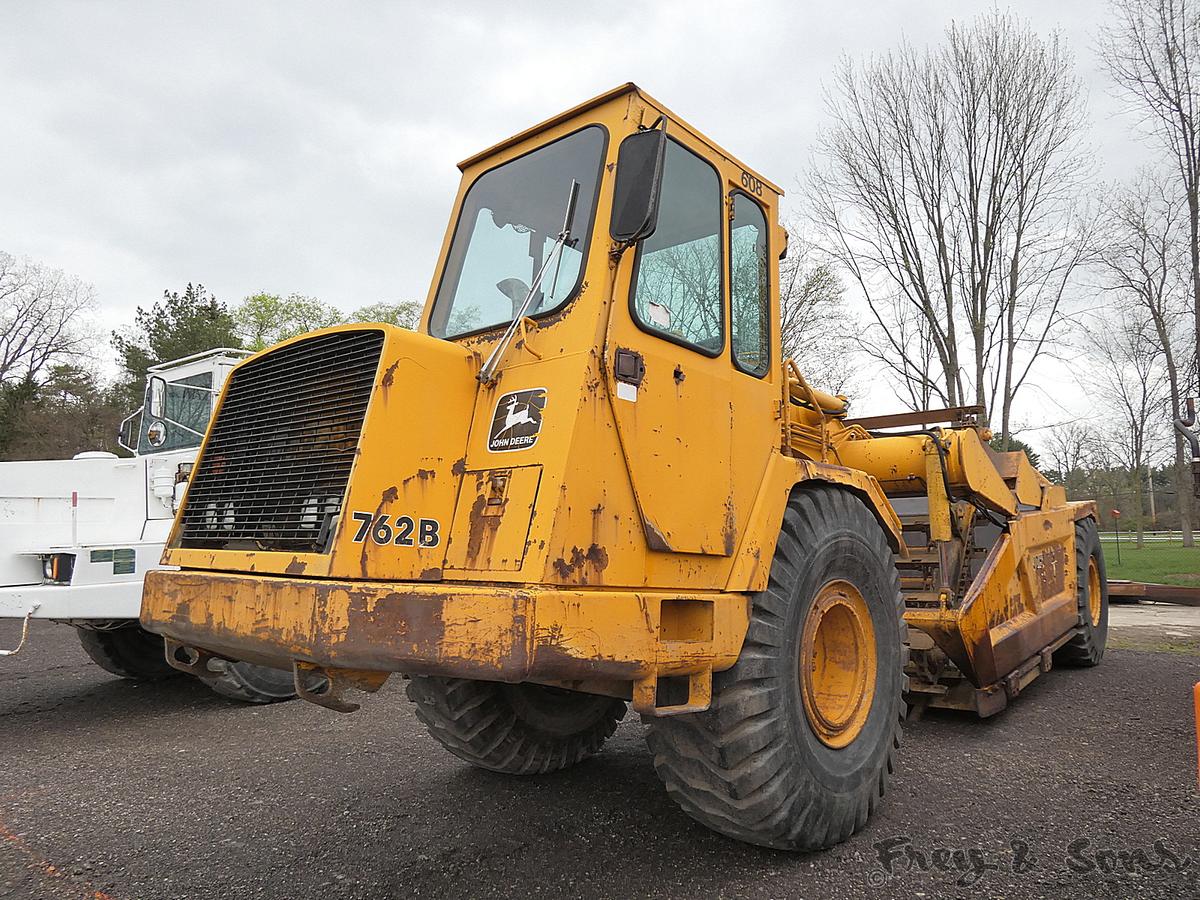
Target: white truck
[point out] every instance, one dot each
(78, 535)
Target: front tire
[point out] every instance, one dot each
(1087, 647)
(517, 729)
(797, 747)
(128, 651)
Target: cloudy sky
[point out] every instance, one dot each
(311, 147)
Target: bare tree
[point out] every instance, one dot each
(1143, 261)
(1152, 49)
(41, 317)
(1069, 448)
(815, 327)
(948, 192)
(1128, 379)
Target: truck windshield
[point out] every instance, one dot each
(186, 411)
(509, 221)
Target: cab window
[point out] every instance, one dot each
(185, 408)
(749, 287)
(510, 221)
(677, 276)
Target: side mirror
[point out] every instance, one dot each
(639, 185)
(156, 397)
(127, 432)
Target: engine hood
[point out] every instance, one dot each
(398, 464)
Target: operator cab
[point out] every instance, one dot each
(178, 402)
(592, 398)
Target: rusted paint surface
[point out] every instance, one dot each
(490, 531)
(296, 567)
(584, 566)
(502, 634)
(1050, 567)
(481, 528)
(389, 376)
(388, 496)
(729, 531)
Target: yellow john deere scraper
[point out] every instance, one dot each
(589, 479)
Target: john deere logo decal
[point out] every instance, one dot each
(517, 420)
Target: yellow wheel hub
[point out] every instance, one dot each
(837, 663)
(1094, 590)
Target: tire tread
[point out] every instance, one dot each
(729, 768)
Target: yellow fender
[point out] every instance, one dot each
(783, 474)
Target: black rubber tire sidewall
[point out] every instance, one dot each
(129, 652)
(250, 683)
(845, 555)
(479, 723)
(1087, 647)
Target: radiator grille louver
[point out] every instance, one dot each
(274, 471)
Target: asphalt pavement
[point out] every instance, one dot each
(112, 790)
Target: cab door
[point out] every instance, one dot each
(667, 371)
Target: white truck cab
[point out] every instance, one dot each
(78, 535)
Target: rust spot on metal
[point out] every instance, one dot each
(295, 567)
(389, 376)
(414, 623)
(460, 466)
(432, 574)
(1050, 567)
(420, 475)
(388, 496)
(481, 529)
(582, 565)
(655, 539)
(729, 532)
(555, 660)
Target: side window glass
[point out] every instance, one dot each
(677, 277)
(748, 280)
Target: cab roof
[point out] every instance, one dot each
(629, 88)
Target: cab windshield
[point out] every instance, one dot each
(186, 407)
(510, 220)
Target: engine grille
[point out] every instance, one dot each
(274, 472)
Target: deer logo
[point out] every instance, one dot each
(517, 420)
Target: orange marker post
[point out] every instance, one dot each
(1196, 698)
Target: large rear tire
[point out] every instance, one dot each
(1087, 647)
(797, 747)
(128, 651)
(518, 729)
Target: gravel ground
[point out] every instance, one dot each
(1086, 786)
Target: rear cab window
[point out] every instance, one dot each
(750, 287)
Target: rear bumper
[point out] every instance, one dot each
(493, 633)
(115, 600)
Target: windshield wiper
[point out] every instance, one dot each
(487, 374)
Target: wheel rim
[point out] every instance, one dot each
(837, 664)
(1094, 597)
